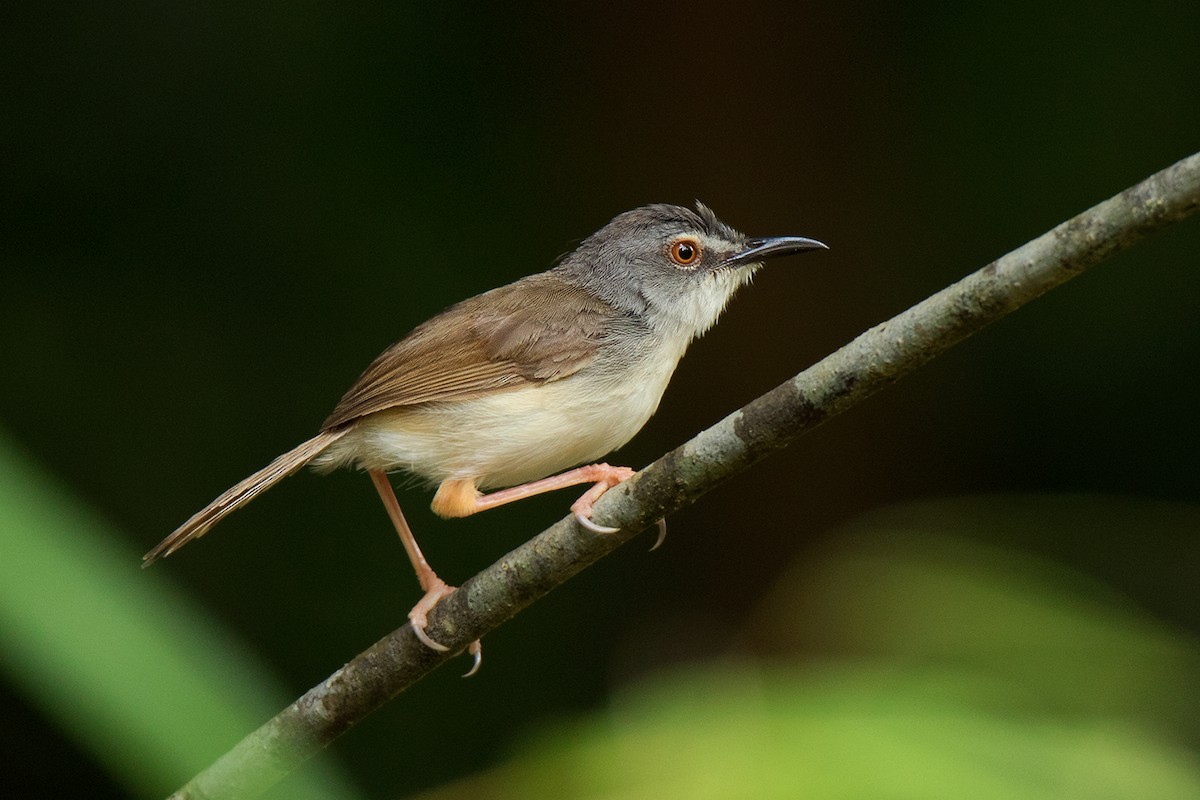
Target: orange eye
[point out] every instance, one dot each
(685, 252)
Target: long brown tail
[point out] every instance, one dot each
(239, 495)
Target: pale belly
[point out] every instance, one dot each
(512, 437)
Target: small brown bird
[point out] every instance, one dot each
(503, 389)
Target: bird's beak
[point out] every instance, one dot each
(761, 249)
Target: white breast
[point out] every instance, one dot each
(514, 436)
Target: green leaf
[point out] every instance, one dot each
(133, 671)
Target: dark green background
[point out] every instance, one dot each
(214, 217)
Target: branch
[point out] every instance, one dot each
(875, 359)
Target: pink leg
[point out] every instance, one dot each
(459, 498)
(435, 588)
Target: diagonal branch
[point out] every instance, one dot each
(875, 359)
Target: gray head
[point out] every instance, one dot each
(676, 267)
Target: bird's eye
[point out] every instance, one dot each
(685, 252)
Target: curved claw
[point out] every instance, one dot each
(662, 534)
(419, 630)
(476, 649)
(594, 527)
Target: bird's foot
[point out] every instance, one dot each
(476, 651)
(662, 534)
(605, 478)
(418, 619)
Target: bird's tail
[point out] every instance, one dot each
(239, 495)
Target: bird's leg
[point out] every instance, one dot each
(435, 588)
(459, 497)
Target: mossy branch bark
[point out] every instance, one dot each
(875, 359)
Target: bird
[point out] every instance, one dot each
(522, 389)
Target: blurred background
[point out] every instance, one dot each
(980, 583)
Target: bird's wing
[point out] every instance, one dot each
(536, 330)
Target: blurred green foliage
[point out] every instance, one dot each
(922, 663)
(132, 670)
(731, 733)
(213, 216)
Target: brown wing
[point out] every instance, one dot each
(536, 330)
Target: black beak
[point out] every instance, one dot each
(761, 249)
